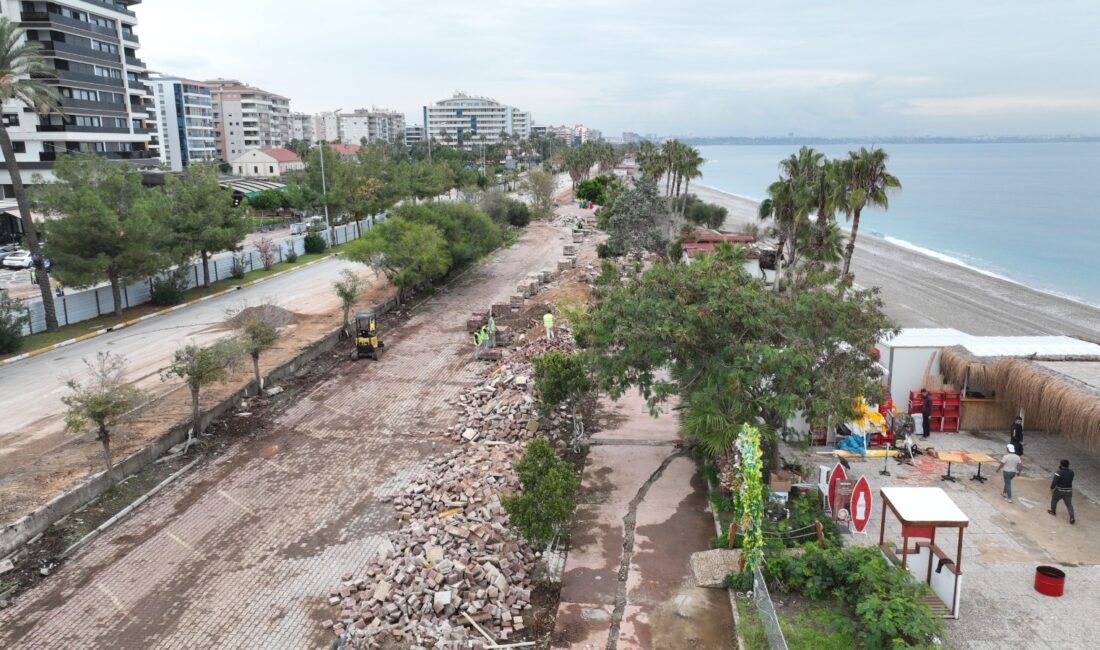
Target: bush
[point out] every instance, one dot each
(237, 270)
(600, 190)
(610, 249)
(560, 377)
(519, 215)
(314, 243)
(13, 316)
(291, 253)
(468, 232)
(545, 503)
(168, 289)
(706, 214)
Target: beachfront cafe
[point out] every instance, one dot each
(922, 511)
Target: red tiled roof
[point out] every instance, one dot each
(345, 149)
(714, 237)
(281, 155)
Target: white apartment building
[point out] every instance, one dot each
(185, 121)
(326, 128)
(466, 120)
(413, 134)
(374, 125)
(107, 104)
(246, 118)
(301, 127)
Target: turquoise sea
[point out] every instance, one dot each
(1026, 212)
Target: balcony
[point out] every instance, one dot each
(58, 20)
(83, 77)
(133, 156)
(129, 37)
(74, 128)
(137, 85)
(114, 107)
(135, 62)
(113, 6)
(58, 48)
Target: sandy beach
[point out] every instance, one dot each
(922, 291)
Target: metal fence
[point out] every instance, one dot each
(86, 304)
(768, 617)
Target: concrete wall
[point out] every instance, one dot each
(18, 533)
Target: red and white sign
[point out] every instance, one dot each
(838, 474)
(861, 505)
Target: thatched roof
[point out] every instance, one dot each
(1050, 400)
(956, 361)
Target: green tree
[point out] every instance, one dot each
(103, 401)
(548, 487)
(787, 206)
(701, 213)
(108, 232)
(22, 73)
(735, 352)
(640, 219)
(199, 217)
(258, 334)
(869, 184)
(347, 290)
(540, 187)
(429, 180)
(199, 367)
(469, 232)
(267, 201)
(13, 317)
(411, 255)
(562, 379)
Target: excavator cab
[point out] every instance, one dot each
(367, 342)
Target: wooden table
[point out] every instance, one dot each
(980, 458)
(950, 457)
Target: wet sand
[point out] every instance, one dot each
(921, 291)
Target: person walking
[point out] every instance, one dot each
(1011, 464)
(492, 330)
(926, 413)
(548, 323)
(1016, 435)
(1061, 489)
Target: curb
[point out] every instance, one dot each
(135, 321)
(731, 592)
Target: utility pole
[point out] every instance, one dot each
(324, 183)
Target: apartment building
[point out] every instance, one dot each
(374, 125)
(413, 134)
(185, 121)
(301, 127)
(105, 96)
(246, 118)
(326, 128)
(467, 120)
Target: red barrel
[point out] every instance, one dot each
(1049, 581)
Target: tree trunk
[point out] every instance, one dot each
(851, 247)
(347, 313)
(116, 291)
(819, 236)
(684, 203)
(256, 369)
(104, 439)
(205, 268)
(195, 418)
(30, 237)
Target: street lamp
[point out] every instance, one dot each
(324, 184)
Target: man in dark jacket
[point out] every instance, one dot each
(926, 413)
(1061, 489)
(1016, 437)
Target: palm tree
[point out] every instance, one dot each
(690, 167)
(787, 206)
(22, 69)
(650, 160)
(868, 185)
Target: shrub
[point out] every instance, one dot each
(705, 214)
(268, 250)
(560, 378)
(13, 316)
(610, 249)
(545, 503)
(237, 270)
(519, 215)
(469, 233)
(600, 190)
(291, 253)
(314, 243)
(168, 289)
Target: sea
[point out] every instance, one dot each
(1027, 212)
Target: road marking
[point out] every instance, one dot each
(237, 503)
(186, 545)
(116, 602)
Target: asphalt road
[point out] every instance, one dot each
(148, 346)
(921, 291)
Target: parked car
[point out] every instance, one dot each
(8, 249)
(19, 259)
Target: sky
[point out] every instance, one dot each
(685, 67)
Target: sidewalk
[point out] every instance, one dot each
(642, 514)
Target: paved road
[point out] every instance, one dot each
(921, 291)
(148, 346)
(242, 553)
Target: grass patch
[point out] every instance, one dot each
(44, 339)
(806, 626)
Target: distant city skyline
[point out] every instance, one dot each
(705, 68)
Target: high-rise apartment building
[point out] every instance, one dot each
(326, 128)
(466, 120)
(247, 118)
(374, 125)
(185, 121)
(106, 102)
(413, 134)
(301, 127)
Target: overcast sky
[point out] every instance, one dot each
(687, 67)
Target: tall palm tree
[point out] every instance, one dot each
(650, 160)
(788, 207)
(691, 163)
(869, 184)
(22, 69)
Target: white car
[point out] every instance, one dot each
(19, 259)
(9, 249)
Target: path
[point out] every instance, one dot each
(38, 459)
(627, 583)
(242, 553)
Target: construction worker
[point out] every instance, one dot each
(548, 323)
(477, 345)
(492, 331)
(484, 331)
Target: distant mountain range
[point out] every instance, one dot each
(810, 140)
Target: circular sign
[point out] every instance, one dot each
(838, 474)
(861, 505)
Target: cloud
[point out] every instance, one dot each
(996, 104)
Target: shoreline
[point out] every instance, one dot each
(923, 290)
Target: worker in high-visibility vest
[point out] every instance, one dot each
(548, 323)
(477, 345)
(492, 331)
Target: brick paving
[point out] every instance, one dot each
(242, 553)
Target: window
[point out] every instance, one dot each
(110, 73)
(100, 46)
(255, 169)
(80, 93)
(271, 169)
(86, 120)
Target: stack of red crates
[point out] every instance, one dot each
(946, 407)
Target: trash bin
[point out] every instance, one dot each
(1049, 581)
